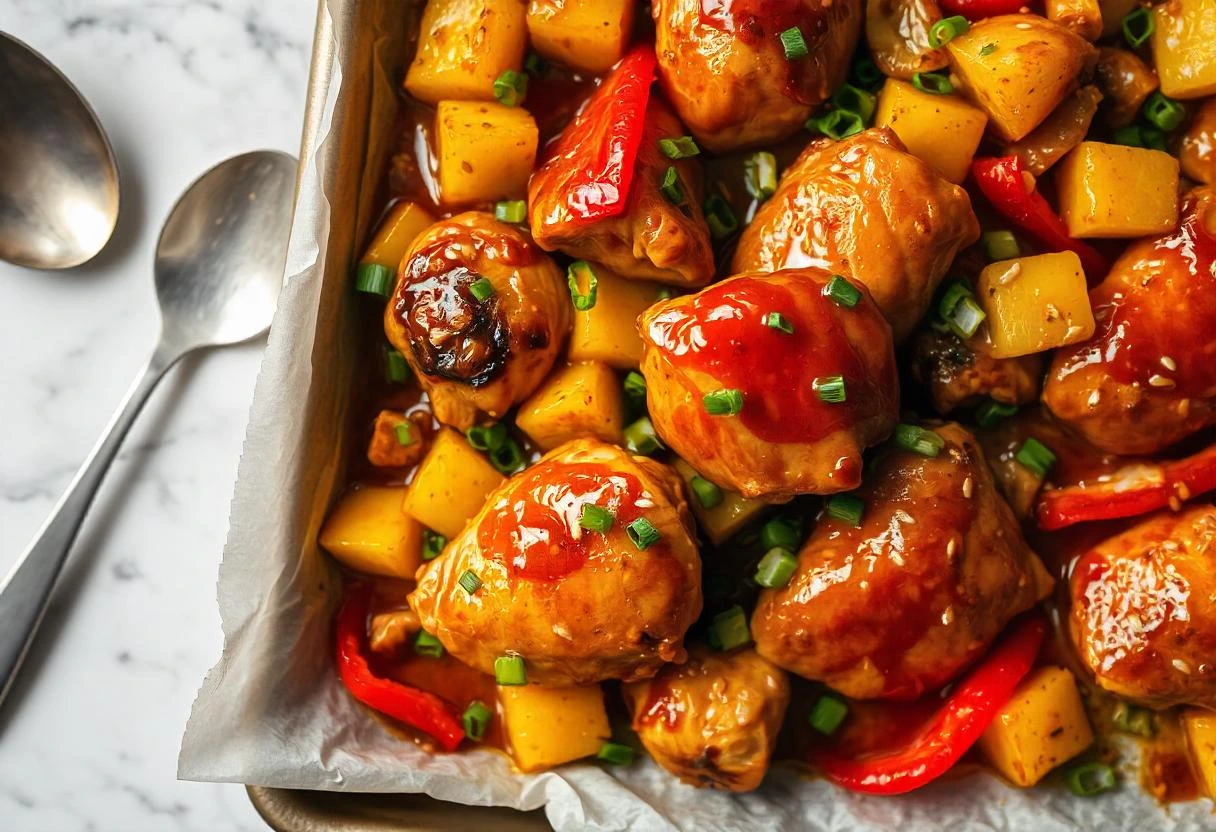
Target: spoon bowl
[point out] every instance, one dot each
(58, 177)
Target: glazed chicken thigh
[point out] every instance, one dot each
(902, 603)
(815, 381)
(723, 65)
(1147, 377)
(480, 313)
(1144, 610)
(579, 606)
(712, 721)
(866, 207)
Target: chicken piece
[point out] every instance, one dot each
(390, 630)
(1197, 150)
(1147, 377)
(868, 208)
(904, 602)
(724, 68)
(386, 450)
(653, 239)
(579, 606)
(712, 721)
(1143, 615)
(477, 356)
(958, 374)
(788, 438)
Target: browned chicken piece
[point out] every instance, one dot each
(1125, 81)
(390, 630)
(869, 209)
(958, 374)
(398, 440)
(1197, 150)
(480, 314)
(787, 351)
(722, 64)
(712, 721)
(653, 239)
(1147, 377)
(1143, 615)
(903, 603)
(579, 606)
(1017, 483)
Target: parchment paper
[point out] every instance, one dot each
(272, 711)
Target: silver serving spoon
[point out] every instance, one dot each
(58, 178)
(219, 266)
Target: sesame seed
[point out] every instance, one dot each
(642, 502)
(951, 547)
(1168, 363)
(1181, 666)
(1053, 312)
(1160, 381)
(968, 487)
(948, 616)
(1092, 401)
(1010, 274)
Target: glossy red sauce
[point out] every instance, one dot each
(753, 20)
(663, 706)
(721, 333)
(536, 530)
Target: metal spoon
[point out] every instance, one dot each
(219, 266)
(58, 178)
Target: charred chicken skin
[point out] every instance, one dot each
(712, 721)
(868, 208)
(904, 602)
(777, 343)
(723, 66)
(958, 373)
(1144, 610)
(480, 314)
(579, 606)
(1147, 377)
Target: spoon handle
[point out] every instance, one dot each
(26, 590)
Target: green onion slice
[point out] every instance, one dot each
(469, 581)
(846, 508)
(1138, 26)
(776, 568)
(827, 714)
(933, 83)
(720, 218)
(830, 389)
(481, 289)
(1152, 138)
(966, 318)
(1089, 779)
(918, 440)
(1163, 112)
(432, 544)
(779, 533)
(487, 437)
(725, 402)
(596, 519)
(837, 124)
(374, 279)
(865, 73)
(729, 629)
(841, 292)
(615, 753)
(476, 719)
(777, 321)
(641, 438)
(1131, 719)
(855, 100)
(1036, 457)
(643, 533)
(708, 494)
(760, 174)
(515, 210)
(508, 457)
(634, 385)
(535, 65)
(510, 670)
(426, 644)
(511, 88)
(987, 49)
(670, 186)
(679, 148)
(396, 370)
(946, 30)
(579, 272)
(1128, 136)
(794, 44)
(991, 413)
(404, 433)
(1000, 245)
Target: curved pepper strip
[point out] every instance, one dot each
(960, 722)
(1005, 183)
(979, 9)
(1137, 490)
(416, 708)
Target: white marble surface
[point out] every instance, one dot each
(88, 739)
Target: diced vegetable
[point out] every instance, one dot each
(944, 131)
(1017, 68)
(589, 36)
(1040, 727)
(1035, 303)
(583, 399)
(451, 484)
(1081, 16)
(405, 221)
(551, 726)
(1125, 81)
(608, 331)
(1199, 725)
(1059, 133)
(1108, 190)
(726, 517)
(368, 532)
(485, 151)
(1184, 47)
(463, 46)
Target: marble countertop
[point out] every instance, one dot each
(89, 737)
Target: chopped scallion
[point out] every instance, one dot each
(855, 100)
(729, 629)
(991, 413)
(846, 508)
(865, 73)
(374, 279)
(1036, 457)
(596, 519)
(579, 272)
(1089, 779)
(837, 124)
(775, 320)
(1163, 112)
(1152, 138)
(708, 494)
(760, 174)
(1138, 26)
(426, 644)
(635, 385)
(640, 437)
(1129, 136)
(830, 389)
(511, 88)
(946, 30)
(643, 533)
(827, 714)
(508, 457)
(476, 719)
(933, 83)
(966, 318)
(469, 581)
(396, 370)
(794, 44)
(918, 440)
(481, 289)
(486, 437)
(842, 292)
(404, 433)
(987, 49)
(776, 568)
(720, 218)
(515, 210)
(726, 402)
(779, 533)
(432, 544)
(510, 670)
(615, 753)
(535, 65)
(1000, 245)
(679, 148)
(670, 186)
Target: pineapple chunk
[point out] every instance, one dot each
(1035, 303)
(485, 151)
(368, 532)
(551, 726)
(722, 521)
(1108, 190)
(451, 484)
(1200, 728)
(608, 331)
(588, 35)
(405, 221)
(941, 130)
(579, 400)
(1184, 47)
(463, 46)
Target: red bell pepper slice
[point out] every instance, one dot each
(979, 9)
(958, 724)
(601, 144)
(416, 708)
(1131, 491)
(1005, 184)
